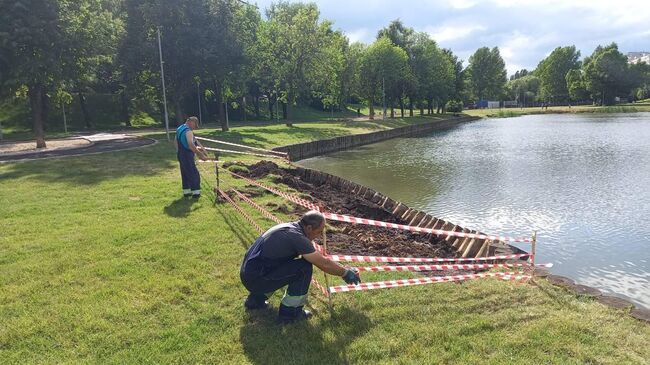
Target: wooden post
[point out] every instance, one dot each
(327, 281)
(533, 249)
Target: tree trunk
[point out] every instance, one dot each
(256, 104)
(178, 110)
(401, 107)
(221, 112)
(287, 112)
(410, 108)
(371, 109)
(124, 107)
(35, 93)
(46, 109)
(429, 107)
(271, 102)
(392, 112)
(84, 110)
(421, 109)
(243, 107)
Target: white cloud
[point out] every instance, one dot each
(363, 35)
(452, 32)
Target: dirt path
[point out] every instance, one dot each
(81, 145)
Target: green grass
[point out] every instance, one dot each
(642, 106)
(102, 262)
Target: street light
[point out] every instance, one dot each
(162, 76)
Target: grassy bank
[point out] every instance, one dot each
(102, 262)
(643, 106)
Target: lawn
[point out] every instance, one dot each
(643, 106)
(101, 261)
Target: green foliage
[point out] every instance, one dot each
(576, 85)
(524, 89)
(488, 73)
(382, 66)
(552, 72)
(606, 74)
(454, 106)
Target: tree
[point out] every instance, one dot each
(552, 72)
(606, 74)
(288, 47)
(576, 85)
(488, 73)
(524, 89)
(381, 66)
(45, 43)
(519, 74)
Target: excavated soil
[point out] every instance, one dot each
(345, 238)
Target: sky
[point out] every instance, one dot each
(525, 31)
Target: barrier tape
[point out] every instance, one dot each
(241, 145)
(295, 199)
(241, 211)
(356, 258)
(318, 286)
(241, 152)
(443, 267)
(351, 219)
(438, 232)
(422, 281)
(264, 212)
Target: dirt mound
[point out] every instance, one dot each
(353, 239)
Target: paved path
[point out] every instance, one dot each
(100, 142)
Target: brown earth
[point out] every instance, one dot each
(345, 238)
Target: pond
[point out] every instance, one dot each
(581, 180)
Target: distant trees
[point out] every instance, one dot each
(487, 73)
(231, 56)
(552, 72)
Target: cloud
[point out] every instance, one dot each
(360, 35)
(452, 32)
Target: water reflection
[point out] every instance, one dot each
(580, 180)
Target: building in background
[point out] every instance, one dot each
(636, 57)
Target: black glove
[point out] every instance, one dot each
(351, 276)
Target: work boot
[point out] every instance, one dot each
(255, 302)
(292, 314)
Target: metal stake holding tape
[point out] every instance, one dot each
(216, 172)
(327, 281)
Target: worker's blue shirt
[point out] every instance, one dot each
(180, 136)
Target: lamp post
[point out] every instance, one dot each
(162, 76)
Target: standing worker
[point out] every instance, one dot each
(284, 255)
(187, 146)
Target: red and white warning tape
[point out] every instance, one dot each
(264, 212)
(356, 220)
(292, 198)
(318, 286)
(356, 258)
(242, 212)
(422, 281)
(241, 152)
(443, 267)
(243, 146)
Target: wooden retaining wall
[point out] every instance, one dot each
(316, 148)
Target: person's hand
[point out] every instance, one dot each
(351, 276)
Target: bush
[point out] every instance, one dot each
(454, 106)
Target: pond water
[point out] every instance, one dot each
(581, 180)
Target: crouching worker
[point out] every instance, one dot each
(283, 256)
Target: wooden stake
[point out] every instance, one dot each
(327, 281)
(533, 248)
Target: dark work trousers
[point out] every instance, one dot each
(189, 173)
(260, 281)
